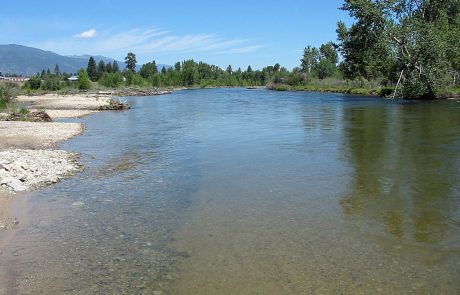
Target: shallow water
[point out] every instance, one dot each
(235, 191)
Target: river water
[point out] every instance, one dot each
(235, 191)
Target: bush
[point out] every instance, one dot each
(8, 91)
(34, 83)
(134, 79)
(84, 83)
(52, 84)
(111, 80)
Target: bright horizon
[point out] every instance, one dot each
(259, 33)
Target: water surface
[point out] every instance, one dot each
(235, 191)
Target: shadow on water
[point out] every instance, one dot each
(406, 160)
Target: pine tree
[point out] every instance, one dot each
(91, 69)
(229, 70)
(100, 69)
(130, 61)
(177, 67)
(108, 67)
(57, 71)
(115, 67)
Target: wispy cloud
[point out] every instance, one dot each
(147, 42)
(245, 49)
(87, 34)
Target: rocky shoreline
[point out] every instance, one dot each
(27, 158)
(22, 170)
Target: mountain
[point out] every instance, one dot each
(27, 61)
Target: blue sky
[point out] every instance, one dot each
(235, 32)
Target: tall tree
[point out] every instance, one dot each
(115, 67)
(229, 70)
(100, 69)
(408, 41)
(329, 52)
(310, 59)
(92, 69)
(130, 61)
(177, 67)
(108, 67)
(57, 71)
(148, 70)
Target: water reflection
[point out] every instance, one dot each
(406, 169)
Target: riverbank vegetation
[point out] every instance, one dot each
(8, 91)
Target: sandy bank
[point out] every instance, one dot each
(35, 135)
(66, 102)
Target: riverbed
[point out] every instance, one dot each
(237, 191)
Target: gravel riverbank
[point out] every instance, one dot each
(27, 158)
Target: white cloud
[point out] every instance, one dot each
(245, 49)
(87, 34)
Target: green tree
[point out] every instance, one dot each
(130, 61)
(91, 69)
(115, 67)
(156, 82)
(229, 70)
(108, 67)
(84, 83)
(177, 67)
(410, 42)
(329, 52)
(34, 82)
(111, 80)
(52, 84)
(325, 68)
(189, 73)
(310, 59)
(100, 69)
(148, 70)
(163, 70)
(57, 71)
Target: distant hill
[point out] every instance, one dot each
(27, 61)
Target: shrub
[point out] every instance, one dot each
(83, 80)
(34, 83)
(52, 84)
(111, 80)
(8, 91)
(133, 79)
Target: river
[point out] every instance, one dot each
(236, 191)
